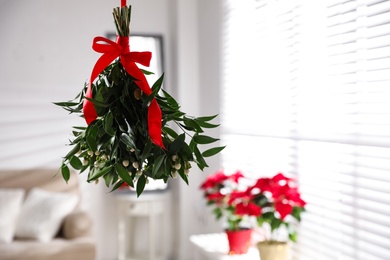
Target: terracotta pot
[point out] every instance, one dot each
(273, 250)
(239, 241)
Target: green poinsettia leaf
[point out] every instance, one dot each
(292, 235)
(276, 223)
(204, 139)
(212, 151)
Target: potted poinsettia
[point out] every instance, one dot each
(281, 205)
(231, 199)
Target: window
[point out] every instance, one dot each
(306, 91)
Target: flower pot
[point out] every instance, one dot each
(273, 250)
(239, 241)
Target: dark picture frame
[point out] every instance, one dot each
(147, 42)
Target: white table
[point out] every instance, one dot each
(215, 247)
(153, 207)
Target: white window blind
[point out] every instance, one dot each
(306, 91)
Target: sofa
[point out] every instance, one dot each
(41, 217)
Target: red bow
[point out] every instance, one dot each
(111, 50)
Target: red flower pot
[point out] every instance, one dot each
(239, 241)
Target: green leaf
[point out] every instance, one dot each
(175, 146)
(192, 125)
(187, 153)
(205, 124)
(292, 235)
(117, 185)
(66, 104)
(97, 103)
(76, 163)
(276, 223)
(170, 132)
(204, 139)
(91, 136)
(108, 123)
(124, 174)
(157, 165)
(157, 85)
(97, 174)
(183, 175)
(146, 151)
(200, 160)
(172, 102)
(72, 152)
(141, 184)
(206, 118)
(146, 72)
(125, 138)
(65, 172)
(155, 88)
(212, 151)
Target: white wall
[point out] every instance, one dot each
(46, 56)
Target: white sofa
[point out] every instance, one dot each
(73, 241)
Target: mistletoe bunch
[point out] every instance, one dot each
(117, 147)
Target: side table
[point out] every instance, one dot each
(152, 206)
(215, 247)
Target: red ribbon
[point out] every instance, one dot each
(111, 50)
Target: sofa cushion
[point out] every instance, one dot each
(77, 224)
(10, 204)
(42, 214)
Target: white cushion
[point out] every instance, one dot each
(10, 204)
(42, 214)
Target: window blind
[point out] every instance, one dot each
(306, 92)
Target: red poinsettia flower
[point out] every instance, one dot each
(280, 177)
(263, 184)
(293, 196)
(250, 209)
(283, 209)
(239, 195)
(213, 180)
(216, 197)
(236, 176)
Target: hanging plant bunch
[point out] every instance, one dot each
(130, 134)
